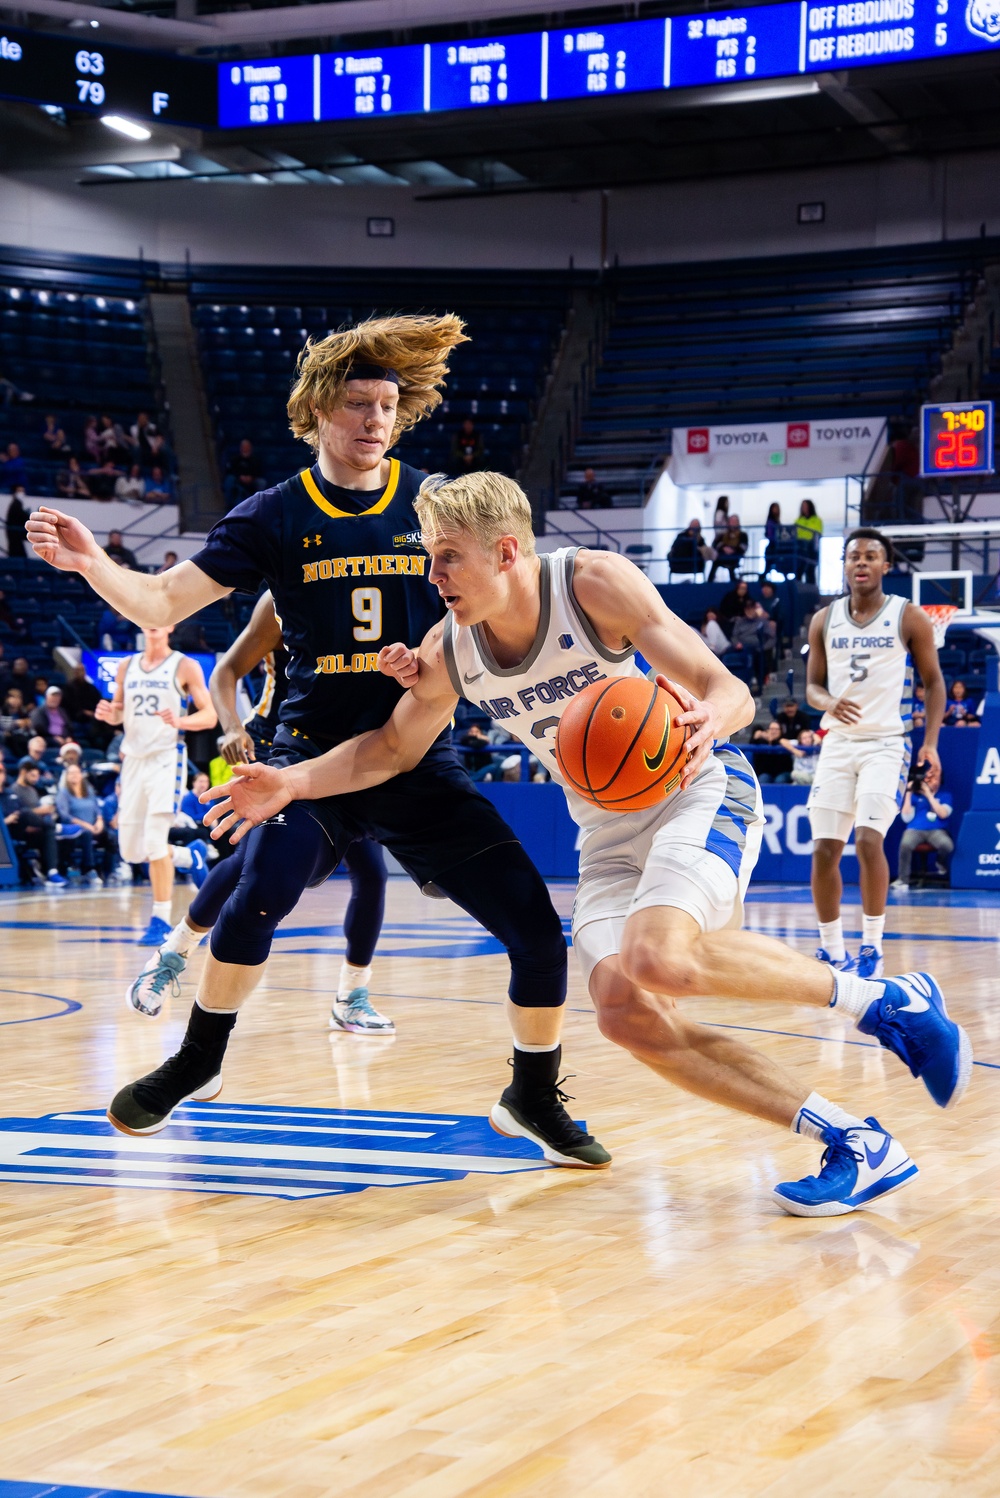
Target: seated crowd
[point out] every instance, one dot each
(103, 459)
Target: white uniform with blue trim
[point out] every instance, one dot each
(154, 759)
(694, 852)
(862, 768)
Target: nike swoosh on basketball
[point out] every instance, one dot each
(470, 679)
(875, 1160)
(657, 759)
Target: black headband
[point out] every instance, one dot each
(372, 372)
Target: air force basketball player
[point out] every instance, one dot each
(862, 648)
(150, 690)
(659, 903)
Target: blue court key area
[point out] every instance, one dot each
(47, 1490)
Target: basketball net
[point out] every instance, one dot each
(940, 615)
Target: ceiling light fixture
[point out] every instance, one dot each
(130, 128)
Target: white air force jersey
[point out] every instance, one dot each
(529, 699)
(148, 692)
(870, 664)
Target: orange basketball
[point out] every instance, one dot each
(618, 744)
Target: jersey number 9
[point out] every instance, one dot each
(366, 605)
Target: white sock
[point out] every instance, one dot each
(536, 1050)
(852, 995)
(181, 857)
(831, 938)
(872, 927)
(182, 939)
(161, 910)
(817, 1114)
(352, 978)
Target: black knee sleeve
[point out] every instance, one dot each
(365, 863)
(502, 889)
(206, 907)
(282, 858)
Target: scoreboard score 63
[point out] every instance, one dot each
(956, 439)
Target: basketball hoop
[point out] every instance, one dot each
(940, 615)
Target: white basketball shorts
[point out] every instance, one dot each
(151, 788)
(695, 853)
(858, 782)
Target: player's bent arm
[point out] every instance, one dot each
(919, 640)
(817, 694)
(192, 683)
(159, 601)
(262, 634)
(624, 607)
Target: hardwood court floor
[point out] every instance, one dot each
(657, 1329)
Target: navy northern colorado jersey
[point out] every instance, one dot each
(348, 575)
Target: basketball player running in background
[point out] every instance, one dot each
(860, 675)
(241, 742)
(338, 544)
(660, 895)
(150, 690)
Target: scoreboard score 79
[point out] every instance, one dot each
(956, 439)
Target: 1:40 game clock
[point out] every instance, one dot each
(956, 439)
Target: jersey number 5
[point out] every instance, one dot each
(858, 671)
(366, 605)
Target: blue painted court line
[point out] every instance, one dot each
(784, 932)
(47, 1490)
(71, 1006)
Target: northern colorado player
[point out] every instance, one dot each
(339, 547)
(659, 901)
(261, 643)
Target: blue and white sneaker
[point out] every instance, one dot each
(199, 862)
(869, 963)
(357, 1014)
(910, 1019)
(160, 977)
(155, 933)
(859, 1165)
(844, 965)
(55, 880)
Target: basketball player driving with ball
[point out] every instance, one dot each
(659, 905)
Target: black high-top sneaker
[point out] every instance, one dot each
(532, 1108)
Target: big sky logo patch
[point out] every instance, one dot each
(252, 1150)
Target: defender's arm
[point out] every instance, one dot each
(262, 634)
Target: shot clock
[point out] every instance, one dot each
(956, 439)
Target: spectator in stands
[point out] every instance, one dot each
(36, 753)
(17, 519)
(91, 440)
(80, 699)
(112, 441)
(805, 754)
(688, 551)
(102, 479)
(772, 525)
(730, 548)
(11, 393)
(919, 706)
(55, 438)
(20, 677)
(791, 718)
(13, 468)
(467, 447)
(169, 560)
(808, 529)
(15, 723)
(923, 812)
(189, 637)
(131, 488)
(41, 687)
(190, 805)
(960, 712)
(160, 490)
(590, 495)
(733, 604)
(481, 762)
(774, 763)
(243, 476)
(159, 452)
(50, 720)
(713, 634)
(772, 605)
(755, 634)
(115, 632)
(141, 431)
(721, 517)
(35, 825)
(70, 482)
(119, 552)
(78, 807)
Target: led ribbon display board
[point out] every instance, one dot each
(956, 439)
(726, 46)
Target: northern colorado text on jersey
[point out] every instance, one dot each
(400, 565)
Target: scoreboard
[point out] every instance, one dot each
(956, 439)
(786, 39)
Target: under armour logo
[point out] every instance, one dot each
(311, 540)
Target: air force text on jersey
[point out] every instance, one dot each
(548, 691)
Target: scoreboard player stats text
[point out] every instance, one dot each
(956, 439)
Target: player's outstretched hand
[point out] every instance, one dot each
(401, 662)
(61, 540)
(700, 718)
(255, 793)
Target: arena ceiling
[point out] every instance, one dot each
(924, 109)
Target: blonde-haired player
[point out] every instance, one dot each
(659, 903)
(151, 687)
